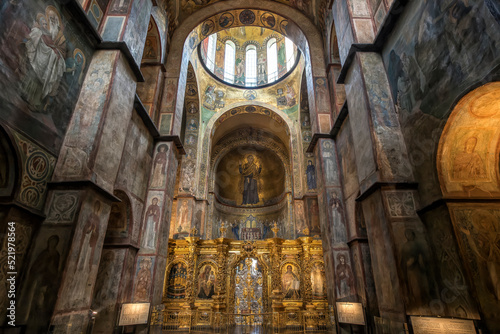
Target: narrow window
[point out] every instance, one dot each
(229, 55)
(272, 60)
(290, 54)
(251, 66)
(212, 41)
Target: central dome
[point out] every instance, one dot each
(248, 56)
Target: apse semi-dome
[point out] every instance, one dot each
(248, 56)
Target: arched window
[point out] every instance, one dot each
(272, 60)
(251, 66)
(290, 57)
(212, 41)
(229, 55)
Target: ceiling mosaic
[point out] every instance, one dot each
(216, 96)
(179, 10)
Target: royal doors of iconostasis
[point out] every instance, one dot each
(248, 288)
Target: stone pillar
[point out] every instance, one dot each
(152, 258)
(337, 256)
(388, 197)
(83, 181)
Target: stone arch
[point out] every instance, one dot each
(468, 156)
(468, 165)
(301, 30)
(204, 161)
(120, 222)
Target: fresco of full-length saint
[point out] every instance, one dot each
(290, 283)
(87, 247)
(311, 175)
(206, 282)
(249, 182)
(152, 220)
(344, 277)
(159, 166)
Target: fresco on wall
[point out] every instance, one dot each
(179, 10)
(109, 274)
(159, 175)
(187, 166)
(39, 292)
(85, 255)
(450, 268)
(152, 218)
(177, 281)
(312, 216)
(152, 48)
(120, 217)
(344, 277)
(478, 234)
(45, 61)
(216, 95)
(290, 281)
(468, 158)
(63, 206)
(426, 76)
(416, 266)
(37, 170)
(415, 80)
(143, 278)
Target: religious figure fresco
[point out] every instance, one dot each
(339, 231)
(290, 282)
(209, 98)
(177, 281)
(143, 280)
(46, 51)
(483, 237)
(87, 247)
(415, 267)
(42, 292)
(468, 165)
(328, 161)
(206, 282)
(184, 222)
(104, 282)
(311, 175)
(152, 220)
(159, 166)
(344, 277)
(249, 182)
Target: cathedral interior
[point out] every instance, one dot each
(209, 166)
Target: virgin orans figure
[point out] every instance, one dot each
(249, 182)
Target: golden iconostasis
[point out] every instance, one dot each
(242, 277)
